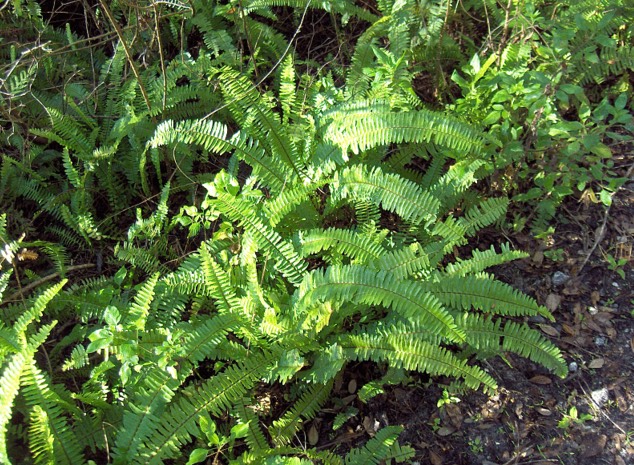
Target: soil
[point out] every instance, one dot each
(536, 417)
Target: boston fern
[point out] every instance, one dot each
(318, 245)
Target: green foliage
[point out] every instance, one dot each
(558, 103)
(269, 230)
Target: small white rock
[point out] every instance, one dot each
(572, 367)
(600, 396)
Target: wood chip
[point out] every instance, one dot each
(540, 379)
(596, 363)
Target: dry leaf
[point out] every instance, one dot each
(595, 297)
(313, 435)
(538, 258)
(454, 414)
(596, 363)
(434, 458)
(549, 330)
(352, 386)
(552, 302)
(568, 329)
(544, 411)
(370, 426)
(445, 431)
(540, 379)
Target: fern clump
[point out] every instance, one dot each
(289, 237)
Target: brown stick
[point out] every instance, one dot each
(20, 293)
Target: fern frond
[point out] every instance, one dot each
(40, 438)
(287, 261)
(175, 427)
(481, 260)
(12, 369)
(362, 285)
(409, 352)
(142, 413)
(485, 334)
(37, 392)
(403, 262)
(390, 191)
(378, 126)
(484, 293)
(360, 248)
(306, 407)
(255, 436)
(140, 309)
(376, 449)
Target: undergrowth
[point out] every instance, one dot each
(190, 221)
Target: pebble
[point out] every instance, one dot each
(600, 396)
(572, 367)
(600, 341)
(559, 278)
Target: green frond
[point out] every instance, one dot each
(378, 126)
(255, 436)
(361, 285)
(483, 293)
(38, 392)
(36, 309)
(306, 407)
(487, 335)
(409, 352)
(218, 283)
(293, 199)
(12, 369)
(140, 309)
(482, 259)
(40, 438)
(78, 359)
(213, 137)
(142, 413)
(202, 338)
(175, 427)
(377, 449)
(359, 247)
(403, 262)
(287, 261)
(390, 191)
(246, 102)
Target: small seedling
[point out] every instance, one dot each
(573, 418)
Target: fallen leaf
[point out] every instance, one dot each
(313, 435)
(568, 329)
(368, 426)
(538, 257)
(596, 363)
(544, 411)
(455, 415)
(445, 431)
(595, 297)
(540, 379)
(352, 386)
(552, 302)
(434, 458)
(549, 330)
